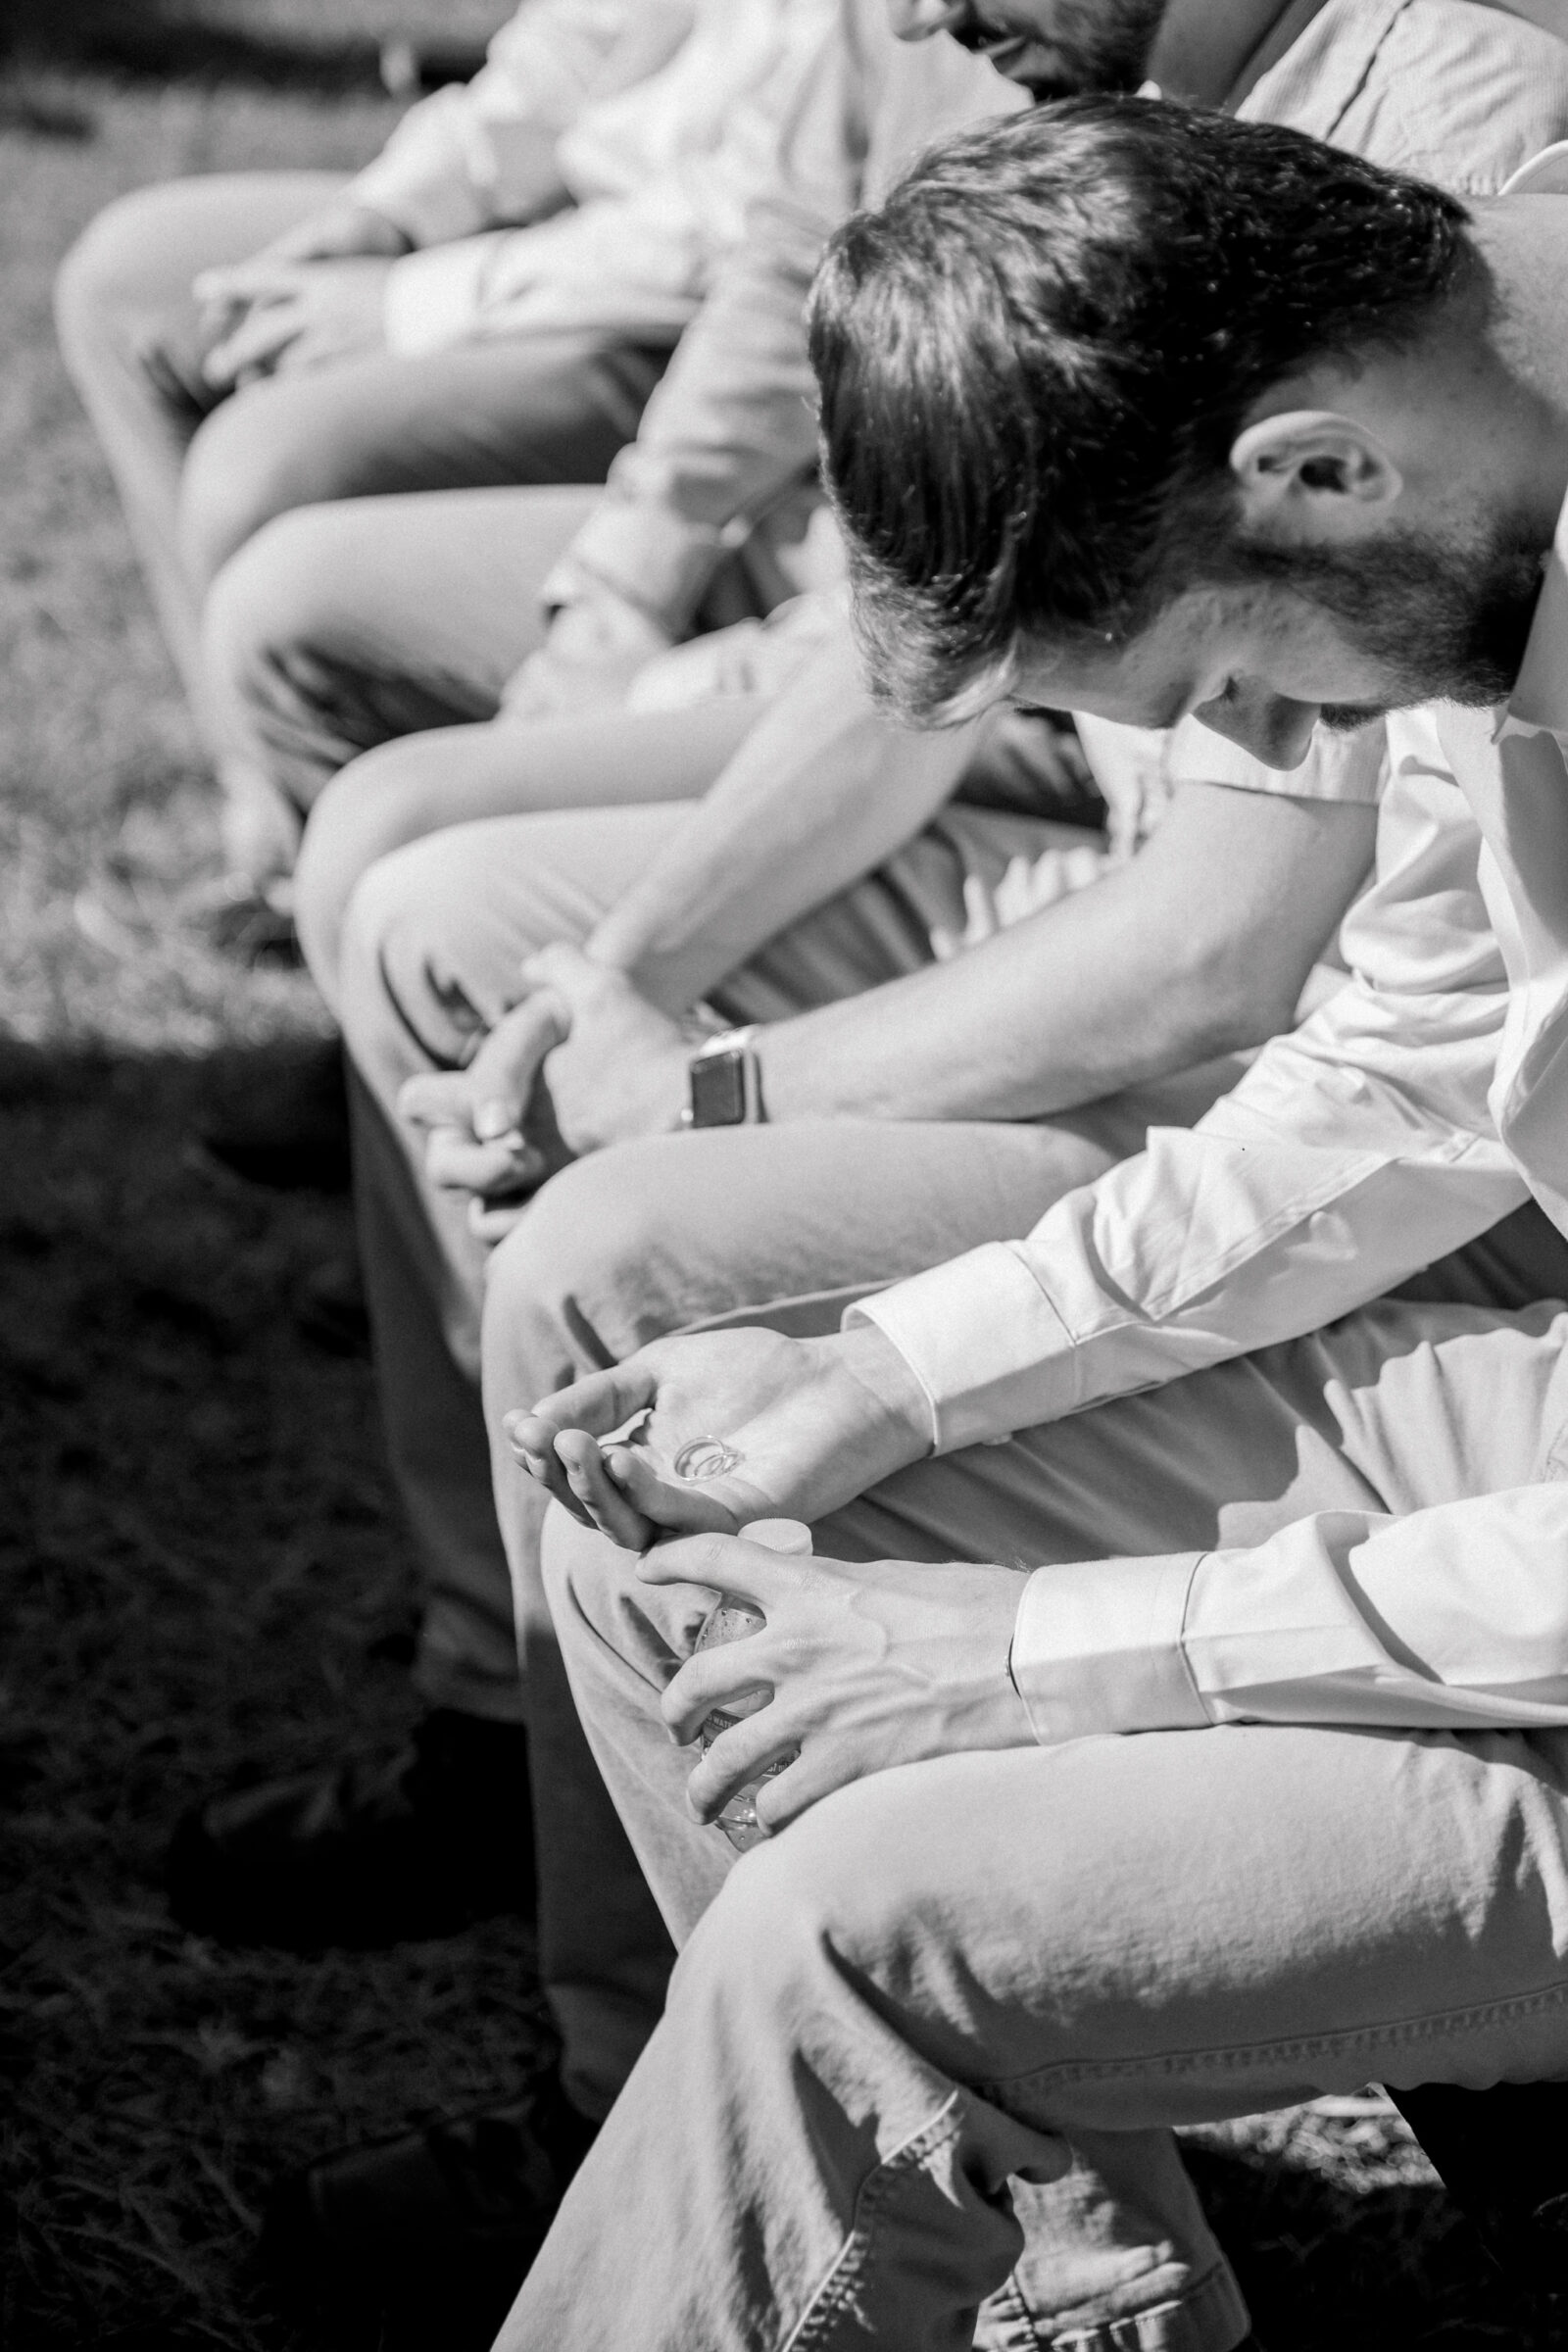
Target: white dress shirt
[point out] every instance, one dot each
(1461, 93)
(1428, 1099)
(594, 173)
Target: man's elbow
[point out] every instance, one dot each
(1222, 1001)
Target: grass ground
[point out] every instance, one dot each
(200, 1563)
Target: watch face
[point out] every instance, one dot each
(719, 1088)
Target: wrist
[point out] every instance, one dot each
(871, 1360)
(724, 1080)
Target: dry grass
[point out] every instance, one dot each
(201, 1564)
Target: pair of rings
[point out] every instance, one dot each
(705, 1458)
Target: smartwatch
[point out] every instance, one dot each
(724, 1082)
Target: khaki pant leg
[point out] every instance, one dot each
(129, 336)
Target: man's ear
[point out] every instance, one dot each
(1312, 473)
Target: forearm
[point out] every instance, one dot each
(1149, 970)
(820, 793)
(1062, 1008)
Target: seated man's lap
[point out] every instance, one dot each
(1397, 1409)
(131, 272)
(435, 932)
(1182, 1926)
(402, 791)
(516, 411)
(340, 626)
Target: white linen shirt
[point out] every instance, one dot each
(595, 172)
(1423, 1103)
(1461, 92)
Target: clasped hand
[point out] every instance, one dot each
(615, 1066)
(315, 295)
(867, 1666)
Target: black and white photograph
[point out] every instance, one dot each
(784, 1175)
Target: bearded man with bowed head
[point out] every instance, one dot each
(948, 1034)
(1174, 1715)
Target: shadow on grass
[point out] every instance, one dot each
(1392, 2270)
(202, 1569)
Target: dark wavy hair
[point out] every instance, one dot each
(1036, 355)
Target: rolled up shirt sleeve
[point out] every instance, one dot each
(1355, 1150)
(1453, 1617)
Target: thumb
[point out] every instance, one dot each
(500, 1076)
(436, 1099)
(562, 967)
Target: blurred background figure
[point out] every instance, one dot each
(490, 302)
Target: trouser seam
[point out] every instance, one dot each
(1241, 2057)
(849, 2264)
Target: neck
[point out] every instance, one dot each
(1212, 55)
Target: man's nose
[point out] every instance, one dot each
(1270, 727)
(918, 20)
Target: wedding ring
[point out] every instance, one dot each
(705, 1458)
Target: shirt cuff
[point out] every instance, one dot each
(984, 1342)
(430, 208)
(432, 299)
(1098, 1648)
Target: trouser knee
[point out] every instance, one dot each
(587, 1275)
(108, 262)
(376, 805)
(245, 468)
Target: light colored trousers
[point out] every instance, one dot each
(923, 2051)
(198, 478)
(371, 635)
(620, 1247)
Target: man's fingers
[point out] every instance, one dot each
(500, 1076)
(604, 1503)
(459, 1166)
(260, 279)
(567, 971)
(740, 1754)
(670, 1502)
(436, 1099)
(265, 331)
(601, 1404)
(804, 1784)
(720, 1678)
(491, 1222)
(719, 1558)
(551, 1473)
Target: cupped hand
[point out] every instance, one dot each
(294, 316)
(868, 1666)
(811, 1422)
(339, 231)
(475, 1118)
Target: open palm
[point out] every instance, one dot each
(810, 1424)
